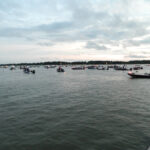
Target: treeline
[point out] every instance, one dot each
(84, 62)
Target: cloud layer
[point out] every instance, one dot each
(74, 30)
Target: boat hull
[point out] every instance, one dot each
(139, 75)
(60, 70)
(78, 68)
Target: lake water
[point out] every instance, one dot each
(75, 110)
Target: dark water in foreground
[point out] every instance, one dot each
(76, 110)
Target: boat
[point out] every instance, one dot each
(91, 67)
(27, 70)
(110, 66)
(137, 68)
(101, 68)
(32, 71)
(59, 69)
(49, 66)
(12, 68)
(120, 68)
(136, 75)
(78, 68)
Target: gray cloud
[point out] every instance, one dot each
(93, 45)
(137, 56)
(85, 23)
(45, 44)
(112, 23)
(54, 27)
(137, 43)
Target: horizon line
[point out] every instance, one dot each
(73, 62)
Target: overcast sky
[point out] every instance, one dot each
(72, 30)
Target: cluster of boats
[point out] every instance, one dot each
(133, 71)
(101, 67)
(60, 69)
(122, 68)
(26, 69)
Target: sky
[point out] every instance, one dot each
(74, 30)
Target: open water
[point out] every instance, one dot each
(75, 110)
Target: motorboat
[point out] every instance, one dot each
(78, 68)
(12, 68)
(59, 69)
(47, 66)
(91, 67)
(137, 68)
(120, 68)
(101, 68)
(137, 75)
(50, 66)
(32, 71)
(27, 70)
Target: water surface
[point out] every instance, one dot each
(75, 110)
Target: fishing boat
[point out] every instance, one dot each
(50, 66)
(91, 67)
(120, 68)
(12, 68)
(101, 68)
(27, 70)
(59, 69)
(78, 68)
(47, 66)
(32, 71)
(136, 75)
(137, 68)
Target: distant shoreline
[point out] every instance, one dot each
(82, 63)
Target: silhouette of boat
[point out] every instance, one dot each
(101, 68)
(120, 68)
(135, 75)
(137, 68)
(91, 67)
(59, 69)
(78, 68)
(27, 70)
